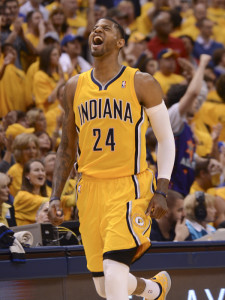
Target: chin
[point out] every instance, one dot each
(96, 54)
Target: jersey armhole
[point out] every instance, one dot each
(132, 89)
(78, 88)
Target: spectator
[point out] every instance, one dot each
(36, 29)
(213, 110)
(50, 38)
(216, 11)
(171, 227)
(12, 82)
(219, 61)
(54, 117)
(4, 196)
(220, 207)
(45, 143)
(190, 25)
(199, 210)
(9, 119)
(147, 64)
(181, 101)
(117, 15)
(50, 6)
(47, 80)
(32, 5)
(163, 27)
(71, 60)
(58, 22)
(36, 119)
(13, 33)
(68, 195)
(42, 213)
(207, 176)
(133, 23)
(204, 43)
(6, 158)
(189, 45)
(166, 74)
(20, 126)
(137, 46)
(32, 193)
(49, 162)
(25, 147)
(210, 79)
(13, 6)
(100, 11)
(75, 21)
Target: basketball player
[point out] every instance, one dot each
(107, 109)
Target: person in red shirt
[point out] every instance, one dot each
(163, 26)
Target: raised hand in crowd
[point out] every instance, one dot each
(188, 69)
(8, 59)
(181, 230)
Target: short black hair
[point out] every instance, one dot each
(6, 1)
(201, 165)
(217, 55)
(187, 37)
(4, 46)
(175, 93)
(118, 26)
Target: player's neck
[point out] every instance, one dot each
(105, 70)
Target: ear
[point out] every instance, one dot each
(28, 178)
(120, 43)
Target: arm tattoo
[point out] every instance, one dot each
(66, 152)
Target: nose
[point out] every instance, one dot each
(98, 29)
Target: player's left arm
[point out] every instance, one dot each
(150, 96)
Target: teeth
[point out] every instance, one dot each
(98, 40)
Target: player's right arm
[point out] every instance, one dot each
(66, 153)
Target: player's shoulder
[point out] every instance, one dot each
(143, 76)
(71, 84)
(146, 87)
(73, 80)
(143, 80)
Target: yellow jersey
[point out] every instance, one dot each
(15, 172)
(26, 206)
(111, 126)
(166, 81)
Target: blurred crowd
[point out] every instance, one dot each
(181, 43)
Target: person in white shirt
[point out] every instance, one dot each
(71, 60)
(32, 5)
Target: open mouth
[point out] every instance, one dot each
(97, 40)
